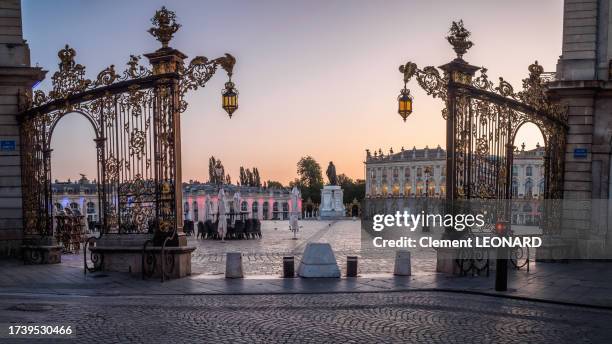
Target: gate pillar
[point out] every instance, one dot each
(16, 80)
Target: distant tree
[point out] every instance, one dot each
(228, 179)
(249, 177)
(343, 180)
(274, 184)
(242, 177)
(310, 179)
(256, 177)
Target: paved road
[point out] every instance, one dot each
(423, 317)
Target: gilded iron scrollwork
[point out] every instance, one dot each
(486, 118)
(133, 113)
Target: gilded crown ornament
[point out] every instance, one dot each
(165, 26)
(458, 38)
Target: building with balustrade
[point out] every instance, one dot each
(261, 203)
(406, 173)
(258, 202)
(416, 173)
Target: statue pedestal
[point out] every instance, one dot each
(332, 206)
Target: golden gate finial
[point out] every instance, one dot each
(165, 26)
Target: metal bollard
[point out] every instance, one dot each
(351, 266)
(288, 267)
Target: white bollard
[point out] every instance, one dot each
(233, 265)
(402, 263)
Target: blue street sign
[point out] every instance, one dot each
(7, 145)
(580, 152)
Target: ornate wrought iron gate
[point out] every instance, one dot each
(136, 118)
(483, 120)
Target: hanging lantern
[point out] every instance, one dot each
(230, 98)
(404, 103)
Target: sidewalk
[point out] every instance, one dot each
(583, 283)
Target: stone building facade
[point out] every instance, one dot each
(16, 80)
(584, 83)
(404, 175)
(260, 203)
(257, 202)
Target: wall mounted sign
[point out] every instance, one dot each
(7, 145)
(580, 153)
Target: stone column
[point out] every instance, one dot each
(16, 80)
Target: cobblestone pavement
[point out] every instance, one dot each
(265, 256)
(407, 317)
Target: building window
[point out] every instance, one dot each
(91, 208)
(266, 210)
(407, 173)
(255, 209)
(419, 172)
(514, 188)
(74, 206)
(541, 188)
(196, 216)
(529, 171)
(58, 207)
(275, 211)
(528, 188)
(419, 189)
(514, 170)
(407, 189)
(285, 211)
(244, 206)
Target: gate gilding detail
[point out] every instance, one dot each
(482, 121)
(135, 114)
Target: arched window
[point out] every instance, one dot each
(91, 207)
(541, 188)
(528, 188)
(420, 189)
(432, 188)
(275, 211)
(266, 210)
(196, 216)
(58, 206)
(254, 208)
(186, 210)
(74, 206)
(514, 188)
(407, 189)
(285, 211)
(395, 189)
(244, 206)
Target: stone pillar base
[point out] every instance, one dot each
(553, 250)
(41, 250)
(124, 253)
(41, 254)
(130, 259)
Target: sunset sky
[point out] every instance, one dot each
(315, 78)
